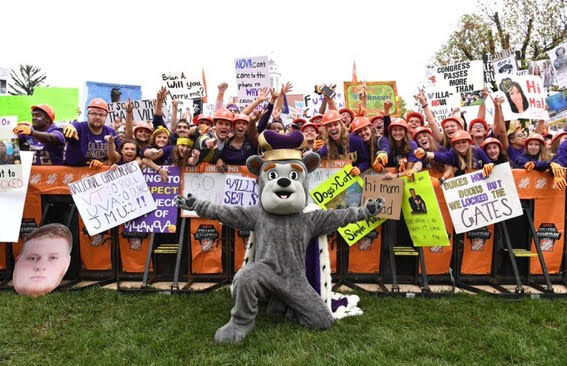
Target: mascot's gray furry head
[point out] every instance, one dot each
(282, 171)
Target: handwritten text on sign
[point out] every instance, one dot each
(240, 191)
(252, 74)
(389, 190)
(143, 110)
(164, 218)
(111, 198)
(180, 86)
(475, 201)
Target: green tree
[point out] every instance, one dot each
(24, 82)
(531, 27)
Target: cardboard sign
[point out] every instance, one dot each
(252, 74)
(164, 218)
(112, 198)
(334, 186)
(143, 110)
(12, 204)
(475, 201)
(240, 191)
(312, 102)
(422, 214)
(389, 190)
(377, 93)
(181, 86)
(441, 102)
(462, 81)
(524, 97)
(558, 57)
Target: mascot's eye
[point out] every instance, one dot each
(293, 175)
(272, 174)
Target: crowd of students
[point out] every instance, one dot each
(407, 145)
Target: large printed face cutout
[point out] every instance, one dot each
(283, 191)
(41, 265)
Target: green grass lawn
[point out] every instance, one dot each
(104, 327)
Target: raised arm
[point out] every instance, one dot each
(220, 96)
(173, 123)
(499, 126)
(129, 127)
(429, 117)
(327, 221)
(263, 95)
(113, 155)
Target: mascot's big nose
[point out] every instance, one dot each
(284, 182)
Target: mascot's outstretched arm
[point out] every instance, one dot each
(243, 218)
(325, 222)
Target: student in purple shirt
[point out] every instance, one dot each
(339, 144)
(239, 147)
(43, 137)
(463, 155)
(86, 143)
(377, 146)
(535, 155)
(401, 154)
(159, 150)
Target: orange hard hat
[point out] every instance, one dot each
(377, 116)
(461, 135)
(398, 122)
(299, 121)
(415, 114)
(558, 136)
(201, 117)
(316, 117)
(421, 129)
(98, 103)
(223, 113)
(331, 116)
(148, 126)
(241, 117)
(478, 120)
(313, 125)
(458, 121)
(46, 108)
(359, 123)
(490, 140)
(343, 110)
(535, 136)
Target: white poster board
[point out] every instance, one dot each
(474, 201)
(524, 97)
(182, 86)
(111, 198)
(143, 110)
(252, 74)
(558, 57)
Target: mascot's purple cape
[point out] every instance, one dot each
(284, 265)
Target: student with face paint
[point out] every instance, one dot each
(494, 150)
(339, 144)
(425, 140)
(43, 137)
(535, 155)
(463, 155)
(86, 141)
(401, 156)
(378, 147)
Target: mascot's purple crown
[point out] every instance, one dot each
(277, 146)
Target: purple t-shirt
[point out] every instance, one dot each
(358, 152)
(513, 153)
(166, 158)
(561, 156)
(89, 146)
(45, 154)
(233, 156)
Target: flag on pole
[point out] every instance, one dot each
(204, 99)
(354, 76)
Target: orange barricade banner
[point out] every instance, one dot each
(364, 255)
(133, 250)
(206, 246)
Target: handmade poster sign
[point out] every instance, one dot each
(164, 218)
(344, 190)
(422, 214)
(240, 191)
(180, 85)
(558, 57)
(11, 175)
(111, 198)
(524, 97)
(463, 81)
(390, 190)
(143, 110)
(252, 74)
(377, 93)
(475, 201)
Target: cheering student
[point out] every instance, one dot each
(184, 154)
(377, 147)
(414, 120)
(450, 126)
(86, 143)
(178, 128)
(239, 147)
(339, 144)
(535, 155)
(159, 150)
(516, 140)
(494, 150)
(423, 137)
(128, 151)
(478, 129)
(401, 156)
(213, 141)
(316, 119)
(347, 116)
(382, 120)
(431, 121)
(43, 137)
(311, 133)
(463, 155)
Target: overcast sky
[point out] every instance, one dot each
(132, 42)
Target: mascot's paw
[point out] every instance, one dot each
(375, 206)
(187, 203)
(232, 333)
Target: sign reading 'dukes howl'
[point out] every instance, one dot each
(164, 218)
(327, 193)
(111, 198)
(475, 201)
